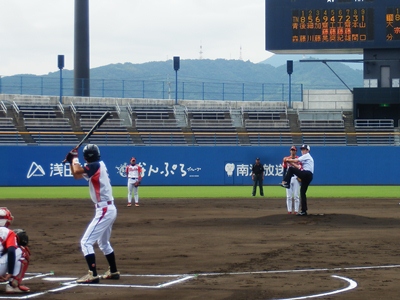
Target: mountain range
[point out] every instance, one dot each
(273, 71)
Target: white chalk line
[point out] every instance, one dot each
(186, 277)
(352, 285)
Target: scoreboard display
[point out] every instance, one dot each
(331, 26)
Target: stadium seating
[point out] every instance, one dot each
(199, 123)
(270, 139)
(111, 132)
(38, 108)
(51, 131)
(322, 127)
(212, 125)
(44, 119)
(157, 125)
(374, 131)
(9, 133)
(267, 125)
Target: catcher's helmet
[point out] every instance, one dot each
(91, 153)
(6, 217)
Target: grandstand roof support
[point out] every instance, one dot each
(335, 60)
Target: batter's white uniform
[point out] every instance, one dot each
(99, 230)
(134, 174)
(293, 191)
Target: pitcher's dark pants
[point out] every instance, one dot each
(258, 180)
(306, 178)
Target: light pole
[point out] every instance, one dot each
(289, 65)
(176, 68)
(61, 66)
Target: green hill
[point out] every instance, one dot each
(196, 78)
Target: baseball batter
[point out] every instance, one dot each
(99, 229)
(292, 193)
(134, 174)
(15, 254)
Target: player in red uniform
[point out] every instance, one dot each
(14, 258)
(134, 174)
(293, 191)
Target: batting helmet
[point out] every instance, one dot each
(6, 217)
(22, 237)
(91, 153)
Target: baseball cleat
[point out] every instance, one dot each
(129, 205)
(89, 278)
(303, 213)
(18, 289)
(109, 275)
(285, 185)
(136, 204)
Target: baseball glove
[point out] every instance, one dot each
(22, 237)
(137, 183)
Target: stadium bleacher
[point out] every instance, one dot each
(9, 133)
(267, 125)
(92, 110)
(212, 125)
(51, 131)
(111, 132)
(374, 131)
(322, 127)
(157, 125)
(38, 108)
(196, 123)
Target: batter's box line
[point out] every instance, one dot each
(161, 285)
(186, 277)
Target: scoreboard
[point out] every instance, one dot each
(331, 26)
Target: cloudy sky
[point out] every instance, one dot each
(35, 32)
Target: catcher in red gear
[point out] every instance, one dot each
(14, 260)
(134, 174)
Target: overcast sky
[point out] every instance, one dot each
(34, 32)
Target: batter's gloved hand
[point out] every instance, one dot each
(71, 155)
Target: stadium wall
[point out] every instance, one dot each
(189, 166)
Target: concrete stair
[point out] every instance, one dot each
(294, 127)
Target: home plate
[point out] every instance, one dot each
(59, 278)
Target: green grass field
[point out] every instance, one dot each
(79, 192)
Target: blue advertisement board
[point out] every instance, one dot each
(189, 166)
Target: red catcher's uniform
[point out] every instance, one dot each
(8, 239)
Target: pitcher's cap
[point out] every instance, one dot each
(305, 147)
(293, 148)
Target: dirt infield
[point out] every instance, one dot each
(219, 249)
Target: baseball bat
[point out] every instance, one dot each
(94, 128)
